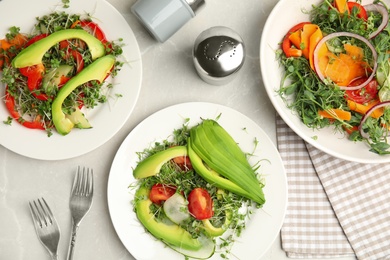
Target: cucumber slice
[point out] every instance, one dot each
(176, 209)
(52, 78)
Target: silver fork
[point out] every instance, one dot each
(46, 226)
(80, 202)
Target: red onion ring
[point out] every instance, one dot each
(346, 34)
(385, 17)
(367, 115)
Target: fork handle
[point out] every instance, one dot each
(72, 242)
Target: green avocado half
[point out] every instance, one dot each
(97, 70)
(33, 54)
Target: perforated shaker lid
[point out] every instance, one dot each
(218, 54)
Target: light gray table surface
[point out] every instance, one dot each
(168, 78)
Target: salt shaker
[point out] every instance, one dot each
(218, 54)
(163, 18)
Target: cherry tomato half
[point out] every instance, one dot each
(200, 204)
(183, 162)
(160, 193)
(361, 13)
(365, 94)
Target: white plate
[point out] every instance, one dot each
(107, 118)
(285, 14)
(264, 225)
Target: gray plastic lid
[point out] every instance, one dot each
(196, 5)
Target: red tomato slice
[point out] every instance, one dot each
(200, 204)
(362, 14)
(183, 162)
(365, 94)
(160, 193)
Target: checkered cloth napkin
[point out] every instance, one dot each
(336, 208)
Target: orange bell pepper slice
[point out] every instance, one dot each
(362, 109)
(342, 6)
(346, 67)
(18, 41)
(335, 113)
(315, 38)
(307, 32)
(287, 45)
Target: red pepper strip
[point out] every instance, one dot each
(10, 104)
(350, 130)
(36, 38)
(78, 57)
(34, 73)
(79, 60)
(362, 14)
(96, 31)
(287, 45)
(34, 76)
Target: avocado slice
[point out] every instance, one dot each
(169, 234)
(211, 176)
(213, 231)
(152, 164)
(78, 119)
(33, 54)
(97, 70)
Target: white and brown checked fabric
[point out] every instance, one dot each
(336, 207)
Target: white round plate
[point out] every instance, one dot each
(106, 118)
(265, 223)
(286, 14)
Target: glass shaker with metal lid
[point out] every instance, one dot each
(163, 18)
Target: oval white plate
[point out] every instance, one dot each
(107, 118)
(285, 14)
(264, 225)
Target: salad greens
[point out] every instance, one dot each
(30, 91)
(306, 94)
(230, 211)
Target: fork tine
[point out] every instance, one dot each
(89, 185)
(76, 182)
(41, 213)
(34, 215)
(83, 182)
(47, 211)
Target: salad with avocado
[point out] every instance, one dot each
(51, 74)
(196, 191)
